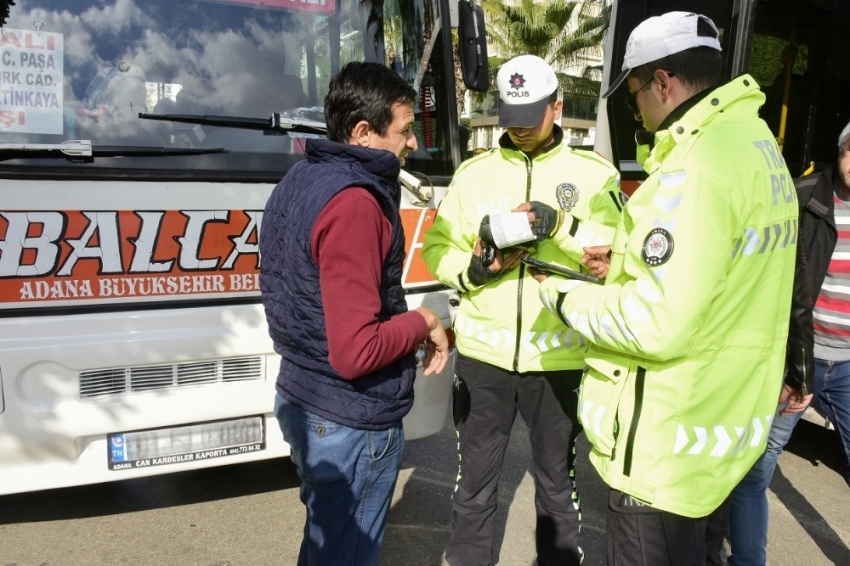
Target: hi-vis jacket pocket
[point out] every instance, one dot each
(599, 399)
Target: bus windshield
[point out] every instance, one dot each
(86, 70)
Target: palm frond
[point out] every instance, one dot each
(5, 5)
(565, 33)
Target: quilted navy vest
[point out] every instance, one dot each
(289, 282)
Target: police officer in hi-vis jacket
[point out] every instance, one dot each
(514, 355)
(687, 336)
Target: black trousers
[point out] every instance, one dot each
(639, 535)
(486, 401)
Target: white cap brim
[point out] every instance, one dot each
(617, 82)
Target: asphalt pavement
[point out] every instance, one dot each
(250, 515)
(809, 504)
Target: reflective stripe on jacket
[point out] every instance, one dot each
(688, 334)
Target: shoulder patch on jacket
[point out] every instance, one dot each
(657, 247)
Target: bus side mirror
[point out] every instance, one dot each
(473, 46)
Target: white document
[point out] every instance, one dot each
(510, 229)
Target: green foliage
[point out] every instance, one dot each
(766, 59)
(4, 10)
(542, 28)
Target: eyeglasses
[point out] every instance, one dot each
(631, 96)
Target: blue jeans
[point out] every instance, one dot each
(832, 389)
(748, 514)
(748, 510)
(347, 482)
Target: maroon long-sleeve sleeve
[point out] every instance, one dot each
(350, 239)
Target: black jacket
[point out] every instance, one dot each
(816, 241)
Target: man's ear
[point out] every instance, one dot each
(664, 81)
(361, 134)
(557, 108)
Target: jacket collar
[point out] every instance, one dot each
(648, 138)
(679, 126)
(379, 162)
(505, 142)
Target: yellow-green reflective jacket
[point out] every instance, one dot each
(688, 334)
(503, 323)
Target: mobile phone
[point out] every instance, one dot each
(552, 269)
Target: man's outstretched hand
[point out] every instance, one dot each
(436, 345)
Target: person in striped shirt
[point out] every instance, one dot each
(818, 368)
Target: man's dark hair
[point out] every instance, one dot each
(698, 68)
(364, 91)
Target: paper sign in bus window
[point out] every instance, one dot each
(31, 82)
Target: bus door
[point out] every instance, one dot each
(792, 48)
(796, 54)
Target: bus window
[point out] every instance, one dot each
(797, 59)
(87, 70)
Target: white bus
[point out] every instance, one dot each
(139, 141)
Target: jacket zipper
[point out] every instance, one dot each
(803, 389)
(630, 441)
(528, 166)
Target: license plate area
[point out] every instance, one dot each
(188, 443)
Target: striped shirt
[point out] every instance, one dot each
(832, 308)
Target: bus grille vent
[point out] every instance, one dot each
(115, 381)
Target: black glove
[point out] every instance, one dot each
(479, 272)
(488, 245)
(546, 220)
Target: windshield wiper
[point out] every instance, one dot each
(276, 123)
(84, 150)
